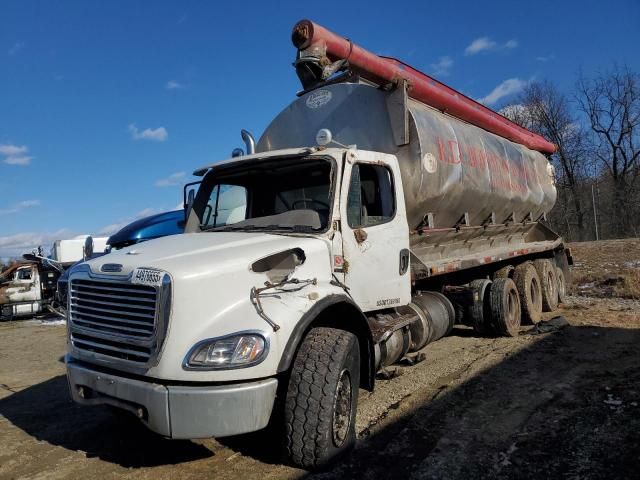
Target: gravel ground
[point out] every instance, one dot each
(558, 404)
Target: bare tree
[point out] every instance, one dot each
(611, 104)
(543, 109)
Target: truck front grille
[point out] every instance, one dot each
(115, 319)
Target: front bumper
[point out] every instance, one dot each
(178, 411)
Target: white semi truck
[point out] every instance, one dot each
(361, 227)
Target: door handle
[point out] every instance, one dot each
(404, 261)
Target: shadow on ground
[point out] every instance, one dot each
(47, 413)
(565, 406)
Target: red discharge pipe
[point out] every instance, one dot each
(421, 86)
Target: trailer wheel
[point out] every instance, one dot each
(322, 396)
(527, 281)
(504, 272)
(547, 273)
(480, 308)
(562, 286)
(505, 307)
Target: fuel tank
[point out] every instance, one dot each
(452, 172)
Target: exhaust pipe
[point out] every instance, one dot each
(249, 141)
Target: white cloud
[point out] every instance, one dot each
(29, 203)
(22, 160)
(15, 155)
(174, 85)
(15, 208)
(20, 243)
(13, 149)
(16, 48)
(442, 66)
(173, 179)
(114, 227)
(545, 58)
(506, 88)
(159, 134)
(479, 45)
(485, 44)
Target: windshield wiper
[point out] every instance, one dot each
(237, 228)
(231, 228)
(300, 228)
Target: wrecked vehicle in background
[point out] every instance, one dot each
(29, 287)
(25, 288)
(360, 228)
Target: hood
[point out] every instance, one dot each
(154, 226)
(195, 254)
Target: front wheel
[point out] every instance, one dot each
(322, 397)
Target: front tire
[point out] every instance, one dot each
(322, 397)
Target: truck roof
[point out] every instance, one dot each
(288, 152)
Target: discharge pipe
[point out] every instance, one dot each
(311, 37)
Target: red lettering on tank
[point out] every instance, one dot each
(453, 158)
(441, 149)
(504, 175)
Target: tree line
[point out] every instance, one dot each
(596, 128)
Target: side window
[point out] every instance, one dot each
(24, 274)
(227, 204)
(371, 200)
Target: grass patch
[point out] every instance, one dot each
(606, 284)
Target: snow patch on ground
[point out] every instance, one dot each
(58, 321)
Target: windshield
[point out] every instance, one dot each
(279, 194)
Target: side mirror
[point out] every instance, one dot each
(87, 250)
(187, 191)
(189, 204)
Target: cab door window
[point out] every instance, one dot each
(371, 199)
(23, 274)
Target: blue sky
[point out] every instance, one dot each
(107, 107)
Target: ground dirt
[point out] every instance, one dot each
(563, 404)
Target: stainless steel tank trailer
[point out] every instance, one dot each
(376, 210)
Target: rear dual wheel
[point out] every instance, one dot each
(562, 285)
(504, 272)
(480, 310)
(527, 281)
(547, 272)
(505, 307)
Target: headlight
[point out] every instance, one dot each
(234, 351)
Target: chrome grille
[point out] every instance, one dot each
(115, 319)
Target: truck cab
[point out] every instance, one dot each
(275, 244)
(20, 291)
